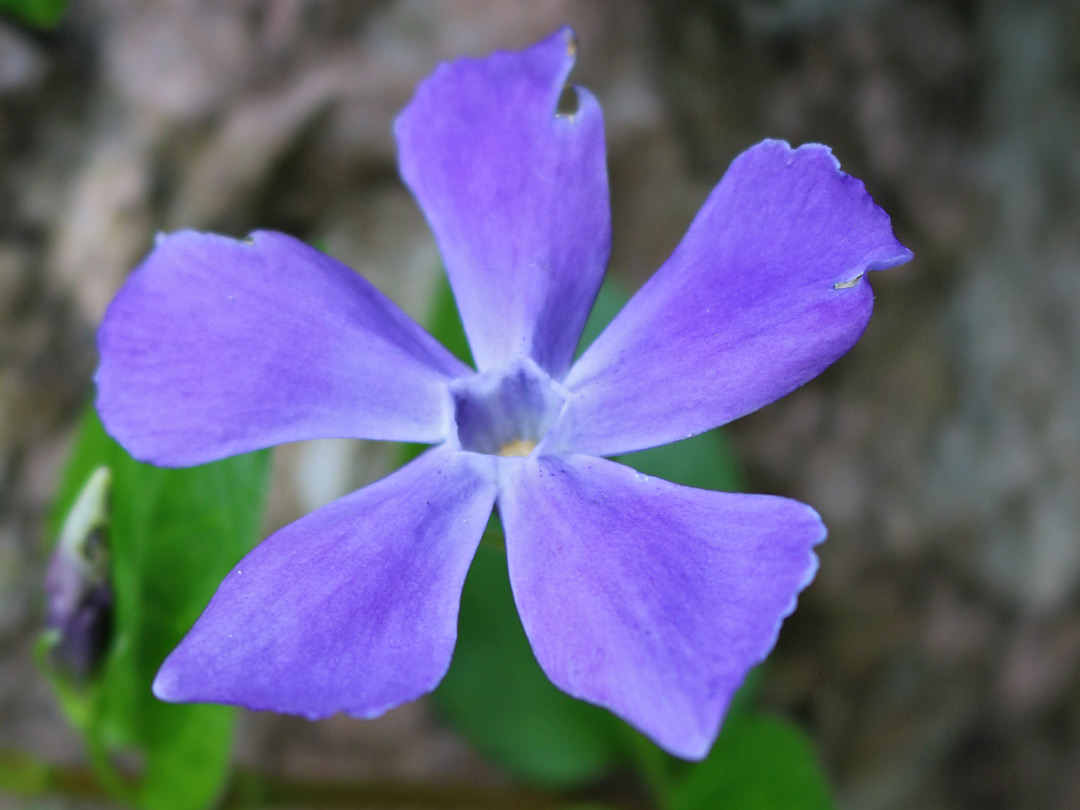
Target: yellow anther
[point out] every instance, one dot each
(518, 447)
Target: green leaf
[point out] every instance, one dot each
(704, 461)
(758, 763)
(40, 13)
(445, 325)
(173, 535)
(497, 696)
(609, 302)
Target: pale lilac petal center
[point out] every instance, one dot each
(506, 411)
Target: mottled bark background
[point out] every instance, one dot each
(936, 658)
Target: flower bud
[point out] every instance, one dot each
(77, 586)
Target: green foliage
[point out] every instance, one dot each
(704, 461)
(23, 775)
(609, 302)
(39, 13)
(445, 324)
(758, 763)
(173, 536)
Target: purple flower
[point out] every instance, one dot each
(648, 598)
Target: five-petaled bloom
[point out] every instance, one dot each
(648, 598)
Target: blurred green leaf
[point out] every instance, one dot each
(704, 461)
(758, 763)
(609, 302)
(22, 775)
(444, 322)
(40, 13)
(497, 696)
(173, 535)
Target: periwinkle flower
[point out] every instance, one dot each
(648, 598)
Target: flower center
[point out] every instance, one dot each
(518, 447)
(505, 412)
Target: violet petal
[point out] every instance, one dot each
(517, 196)
(352, 608)
(217, 346)
(765, 291)
(651, 599)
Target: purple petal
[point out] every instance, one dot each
(766, 289)
(217, 346)
(352, 608)
(517, 197)
(651, 599)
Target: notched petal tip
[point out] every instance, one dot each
(551, 58)
(485, 146)
(792, 154)
(571, 41)
(191, 239)
(847, 285)
(900, 255)
(888, 255)
(813, 564)
(569, 103)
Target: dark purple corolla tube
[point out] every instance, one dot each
(651, 599)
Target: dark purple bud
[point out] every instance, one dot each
(80, 599)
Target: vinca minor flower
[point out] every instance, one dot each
(648, 598)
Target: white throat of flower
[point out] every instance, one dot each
(506, 412)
